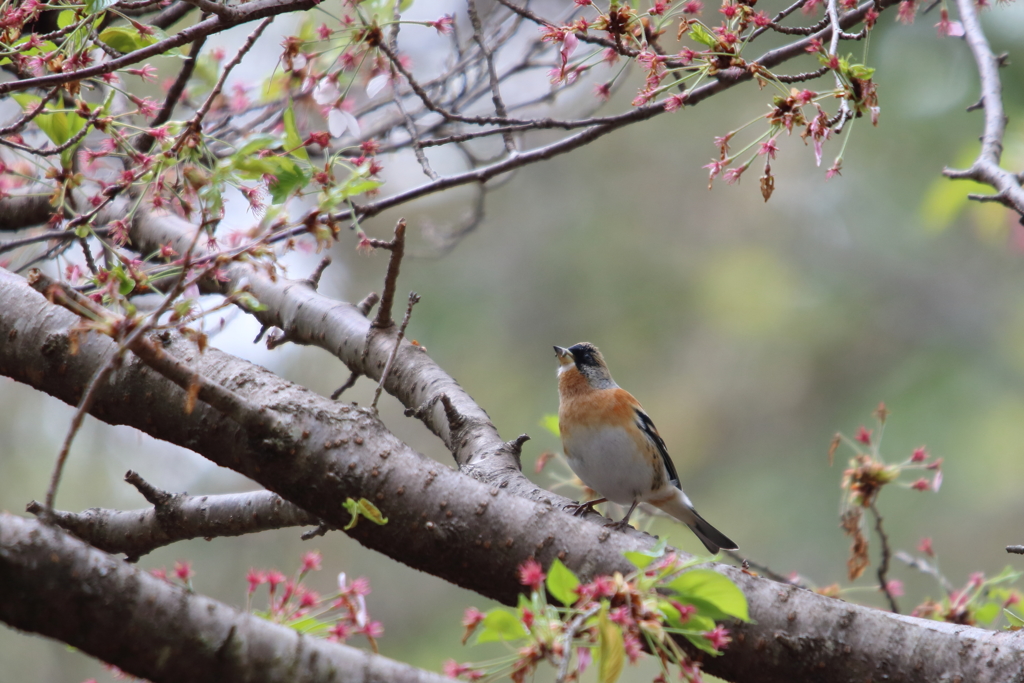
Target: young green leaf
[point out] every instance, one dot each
(562, 583)
(1015, 621)
(611, 652)
(700, 34)
(94, 6)
(126, 39)
(292, 141)
(501, 624)
(363, 508)
(550, 423)
(714, 594)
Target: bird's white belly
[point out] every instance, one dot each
(608, 461)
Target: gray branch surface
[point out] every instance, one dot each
(138, 532)
(986, 168)
(458, 528)
(59, 587)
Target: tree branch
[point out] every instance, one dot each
(139, 532)
(986, 168)
(59, 587)
(480, 534)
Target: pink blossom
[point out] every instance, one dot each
(907, 10)
(813, 46)
(811, 6)
(603, 90)
(183, 570)
(920, 485)
(634, 648)
(443, 25)
(761, 19)
(919, 454)
(715, 167)
(895, 587)
(146, 73)
(768, 147)
(863, 435)
(531, 574)
(945, 27)
(324, 31)
(693, 7)
(718, 637)
(732, 176)
(674, 102)
(925, 546)
(275, 578)
(472, 617)
(311, 561)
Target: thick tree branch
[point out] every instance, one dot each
(59, 587)
(468, 533)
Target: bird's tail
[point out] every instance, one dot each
(679, 506)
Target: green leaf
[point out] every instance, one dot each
(363, 508)
(289, 178)
(987, 612)
(66, 18)
(93, 6)
(256, 144)
(292, 141)
(310, 625)
(562, 583)
(641, 558)
(1015, 621)
(501, 624)
(715, 595)
(249, 302)
(550, 423)
(700, 34)
(126, 39)
(860, 71)
(611, 653)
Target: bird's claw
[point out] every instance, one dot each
(579, 509)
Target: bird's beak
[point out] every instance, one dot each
(564, 355)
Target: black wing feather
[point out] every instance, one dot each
(645, 424)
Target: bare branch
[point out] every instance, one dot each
(138, 532)
(397, 248)
(986, 168)
(883, 566)
(414, 299)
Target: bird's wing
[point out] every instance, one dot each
(648, 428)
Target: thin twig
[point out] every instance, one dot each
(414, 299)
(492, 72)
(570, 632)
(84, 405)
(883, 566)
(397, 248)
(314, 277)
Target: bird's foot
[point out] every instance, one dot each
(580, 509)
(620, 525)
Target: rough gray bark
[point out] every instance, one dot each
(59, 587)
(466, 532)
(138, 532)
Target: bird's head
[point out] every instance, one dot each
(586, 359)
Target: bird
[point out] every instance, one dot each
(614, 448)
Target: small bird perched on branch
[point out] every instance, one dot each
(613, 446)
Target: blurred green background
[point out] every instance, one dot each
(751, 332)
